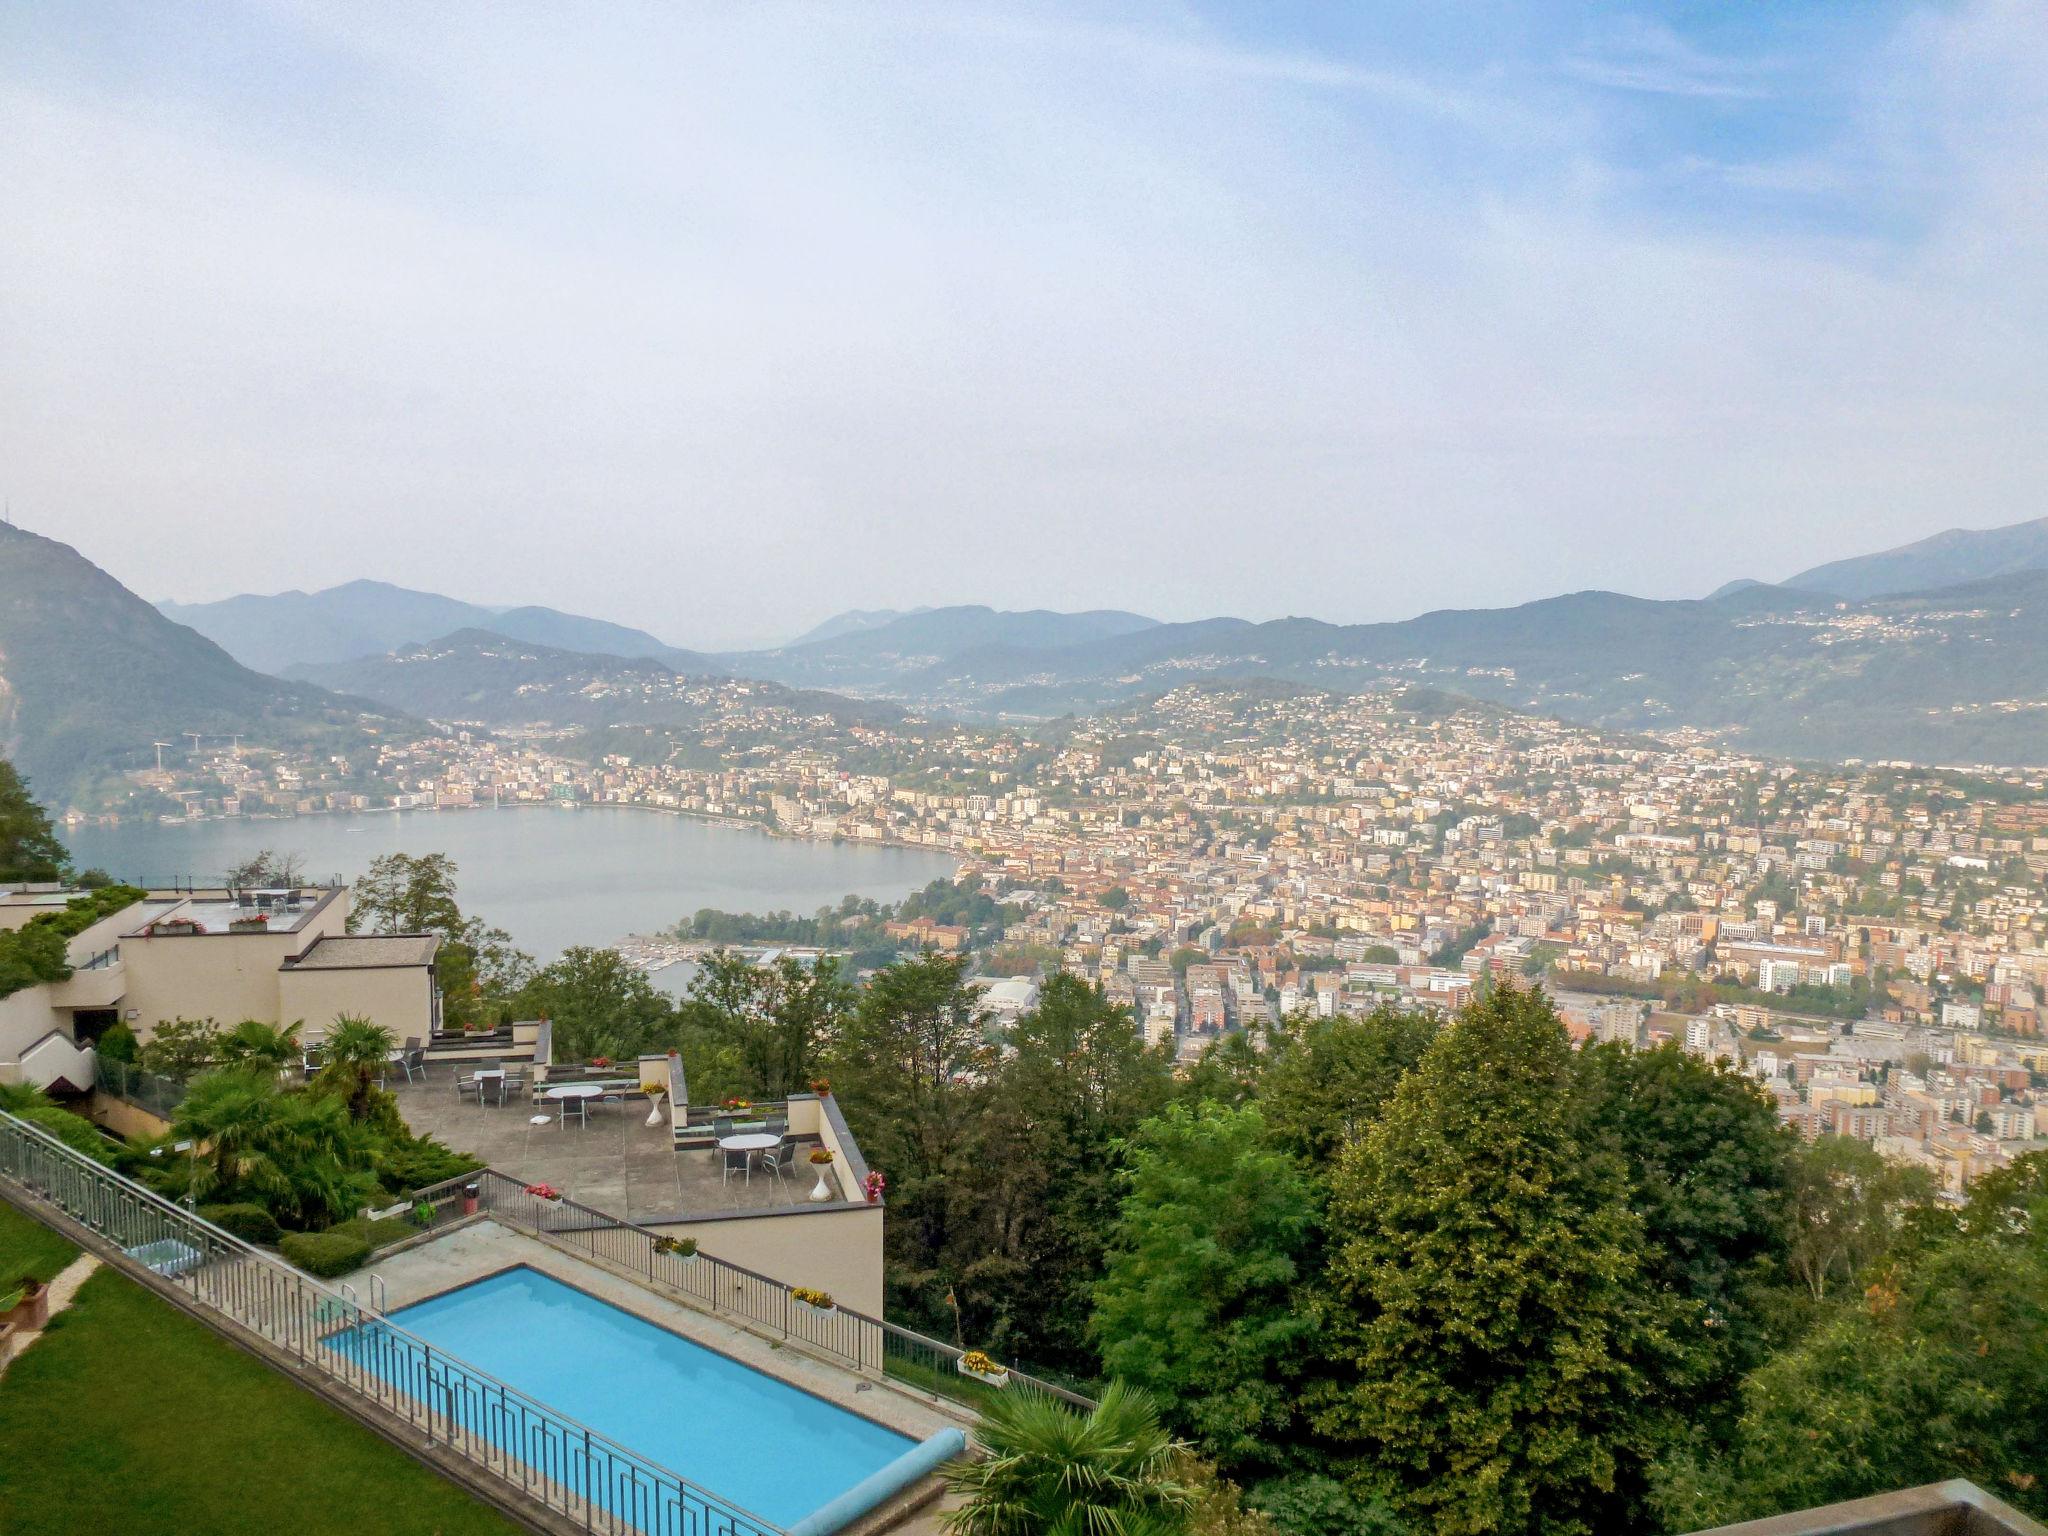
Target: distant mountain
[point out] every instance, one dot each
(852, 622)
(1730, 588)
(1961, 554)
(364, 618)
(91, 675)
(493, 679)
(880, 656)
(1955, 675)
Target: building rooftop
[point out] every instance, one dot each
(616, 1162)
(282, 911)
(362, 952)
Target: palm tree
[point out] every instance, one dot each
(228, 1113)
(1050, 1471)
(255, 1044)
(357, 1051)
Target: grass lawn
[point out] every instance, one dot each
(27, 1247)
(128, 1416)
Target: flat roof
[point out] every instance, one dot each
(361, 952)
(216, 911)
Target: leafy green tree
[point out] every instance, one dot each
(356, 1052)
(1052, 1471)
(415, 893)
(1939, 1371)
(1328, 1079)
(600, 1005)
(1494, 1352)
(1711, 1173)
(1196, 1304)
(29, 846)
(1849, 1204)
(767, 1027)
(182, 1048)
(297, 1154)
(1033, 1205)
(906, 1073)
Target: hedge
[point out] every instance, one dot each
(251, 1223)
(76, 1132)
(325, 1254)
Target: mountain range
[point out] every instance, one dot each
(283, 630)
(1960, 554)
(91, 675)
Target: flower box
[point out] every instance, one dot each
(818, 1303)
(984, 1370)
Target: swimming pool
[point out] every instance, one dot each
(765, 1447)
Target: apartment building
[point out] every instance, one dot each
(282, 956)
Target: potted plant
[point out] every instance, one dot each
(817, 1302)
(821, 1159)
(684, 1248)
(874, 1185)
(26, 1304)
(654, 1091)
(821, 1087)
(422, 1212)
(544, 1191)
(600, 1061)
(978, 1367)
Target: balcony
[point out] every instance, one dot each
(1955, 1508)
(100, 983)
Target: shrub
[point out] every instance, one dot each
(118, 1044)
(413, 1163)
(251, 1223)
(76, 1132)
(325, 1254)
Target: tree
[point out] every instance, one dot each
(1051, 1471)
(905, 1073)
(601, 1006)
(1116, 898)
(356, 1051)
(259, 1046)
(29, 846)
(1940, 1371)
(1328, 1079)
(770, 1026)
(268, 867)
(1493, 1349)
(1711, 1173)
(408, 893)
(182, 1048)
(1037, 1192)
(299, 1154)
(1849, 1204)
(1196, 1304)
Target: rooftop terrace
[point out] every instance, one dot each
(615, 1161)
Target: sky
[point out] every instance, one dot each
(717, 319)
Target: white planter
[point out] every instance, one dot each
(654, 1109)
(816, 1311)
(823, 1191)
(987, 1378)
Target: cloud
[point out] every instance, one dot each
(1646, 56)
(717, 328)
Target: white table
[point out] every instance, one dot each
(756, 1141)
(574, 1093)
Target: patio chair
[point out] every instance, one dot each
(310, 1063)
(414, 1061)
(779, 1156)
(515, 1082)
(470, 1086)
(721, 1127)
(778, 1125)
(580, 1105)
(732, 1160)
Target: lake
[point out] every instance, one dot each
(548, 877)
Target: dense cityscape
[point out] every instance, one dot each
(1871, 941)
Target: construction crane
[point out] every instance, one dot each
(195, 735)
(235, 743)
(159, 745)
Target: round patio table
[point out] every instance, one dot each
(576, 1093)
(752, 1142)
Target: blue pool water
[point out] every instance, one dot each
(764, 1446)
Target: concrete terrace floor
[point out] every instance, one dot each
(616, 1162)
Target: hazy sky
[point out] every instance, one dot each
(719, 318)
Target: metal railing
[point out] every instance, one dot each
(160, 1095)
(532, 1449)
(717, 1286)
